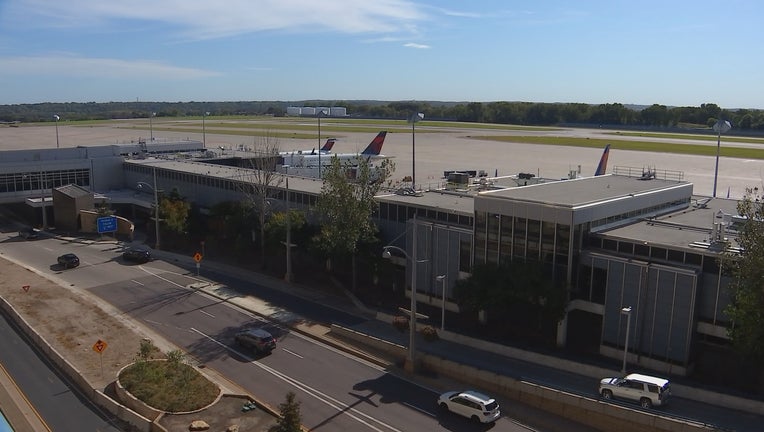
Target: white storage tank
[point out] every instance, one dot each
(293, 111)
(326, 110)
(308, 111)
(338, 112)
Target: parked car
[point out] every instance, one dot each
(29, 233)
(257, 339)
(471, 404)
(647, 390)
(138, 255)
(69, 260)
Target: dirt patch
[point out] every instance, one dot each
(72, 321)
(228, 411)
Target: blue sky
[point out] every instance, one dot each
(675, 53)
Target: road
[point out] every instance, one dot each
(337, 392)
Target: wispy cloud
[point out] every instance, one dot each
(76, 66)
(416, 45)
(204, 19)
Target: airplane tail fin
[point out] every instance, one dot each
(375, 147)
(329, 144)
(602, 167)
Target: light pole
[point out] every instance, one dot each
(626, 311)
(142, 185)
(204, 129)
(319, 114)
(720, 127)
(442, 280)
(288, 275)
(56, 117)
(416, 117)
(151, 125)
(412, 321)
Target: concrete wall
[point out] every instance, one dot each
(139, 422)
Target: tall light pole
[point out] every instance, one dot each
(56, 118)
(720, 127)
(626, 311)
(442, 280)
(288, 275)
(142, 185)
(204, 129)
(319, 114)
(412, 321)
(416, 117)
(151, 125)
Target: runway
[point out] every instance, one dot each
(437, 149)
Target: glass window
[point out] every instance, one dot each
(534, 236)
(519, 233)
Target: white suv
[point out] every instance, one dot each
(471, 404)
(648, 391)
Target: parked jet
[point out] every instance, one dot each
(325, 149)
(602, 167)
(308, 160)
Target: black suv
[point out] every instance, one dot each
(257, 339)
(69, 260)
(137, 255)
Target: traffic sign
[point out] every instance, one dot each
(198, 257)
(106, 224)
(100, 346)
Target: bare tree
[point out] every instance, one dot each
(260, 182)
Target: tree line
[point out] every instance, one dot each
(519, 113)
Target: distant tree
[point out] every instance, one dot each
(290, 419)
(746, 309)
(346, 205)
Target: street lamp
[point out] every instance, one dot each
(151, 125)
(412, 321)
(442, 280)
(720, 127)
(204, 129)
(56, 117)
(141, 186)
(288, 275)
(416, 117)
(626, 311)
(319, 114)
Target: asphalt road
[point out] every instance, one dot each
(337, 392)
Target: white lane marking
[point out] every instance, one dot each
(136, 282)
(293, 353)
(207, 313)
(340, 406)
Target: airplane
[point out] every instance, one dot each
(602, 166)
(14, 123)
(309, 160)
(325, 149)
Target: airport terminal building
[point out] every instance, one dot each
(639, 251)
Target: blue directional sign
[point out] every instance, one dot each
(107, 224)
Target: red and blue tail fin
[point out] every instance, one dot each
(602, 167)
(329, 144)
(375, 147)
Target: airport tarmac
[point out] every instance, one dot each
(437, 150)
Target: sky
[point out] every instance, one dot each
(670, 52)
